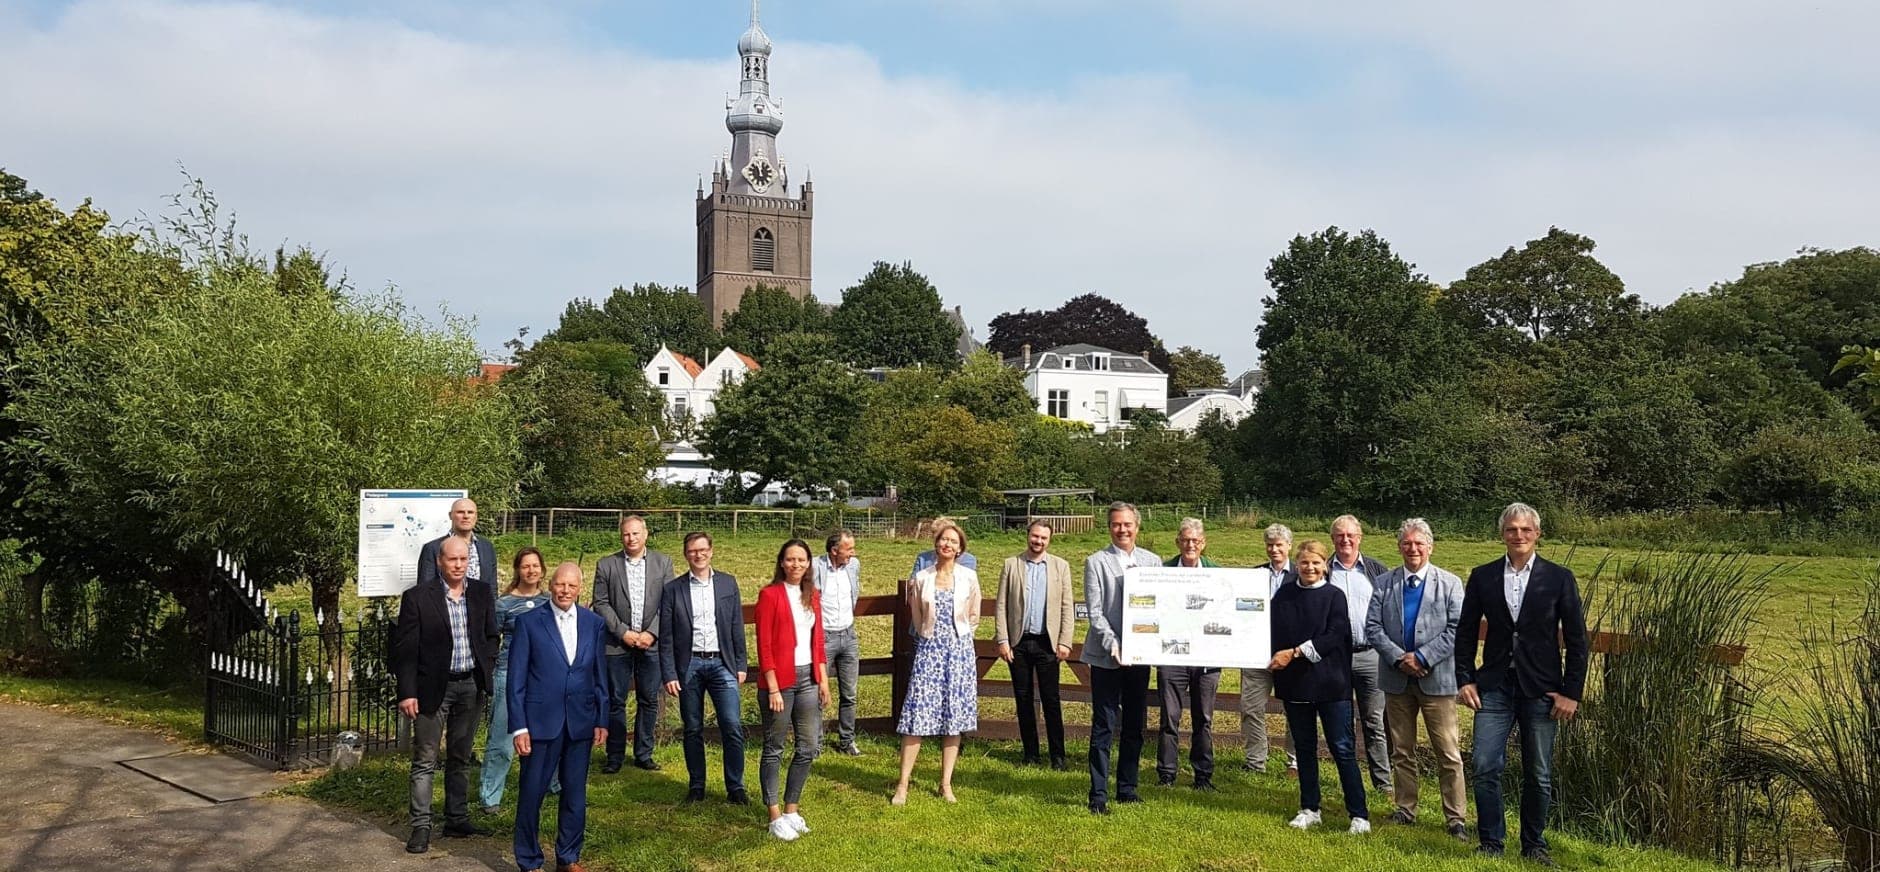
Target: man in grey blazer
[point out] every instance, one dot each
(1119, 693)
(1412, 625)
(1034, 622)
(627, 586)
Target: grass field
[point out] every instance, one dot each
(1012, 817)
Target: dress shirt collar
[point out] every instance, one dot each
(700, 580)
(561, 612)
(1508, 562)
(1322, 582)
(1357, 564)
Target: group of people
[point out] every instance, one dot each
(1349, 637)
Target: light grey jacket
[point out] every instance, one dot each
(1435, 631)
(611, 594)
(1103, 596)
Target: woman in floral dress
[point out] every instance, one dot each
(943, 684)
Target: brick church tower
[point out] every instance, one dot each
(750, 229)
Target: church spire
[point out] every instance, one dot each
(754, 118)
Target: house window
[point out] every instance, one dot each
(1057, 403)
(665, 376)
(1101, 406)
(724, 378)
(763, 251)
(1100, 362)
(678, 404)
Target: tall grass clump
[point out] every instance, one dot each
(1831, 713)
(1646, 761)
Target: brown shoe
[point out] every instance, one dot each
(569, 867)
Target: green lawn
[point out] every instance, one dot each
(1008, 817)
(175, 711)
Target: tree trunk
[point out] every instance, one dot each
(332, 639)
(1860, 850)
(33, 595)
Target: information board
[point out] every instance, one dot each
(1196, 616)
(393, 527)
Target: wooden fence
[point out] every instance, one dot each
(1075, 685)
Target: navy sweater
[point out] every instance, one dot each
(1317, 615)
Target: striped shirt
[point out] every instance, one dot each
(458, 607)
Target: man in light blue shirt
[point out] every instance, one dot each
(1119, 693)
(838, 574)
(1356, 575)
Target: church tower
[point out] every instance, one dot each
(750, 229)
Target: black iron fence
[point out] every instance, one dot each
(282, 691)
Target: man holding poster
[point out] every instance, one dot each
(1190, 687)
(1118, 691)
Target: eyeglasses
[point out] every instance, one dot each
(692, 552)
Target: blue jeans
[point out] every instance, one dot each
(711, 676)
(1499, 714)
(500, 750)
(636, 672)
(1119, 700)
(1302, 721)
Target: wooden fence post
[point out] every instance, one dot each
(903, 649)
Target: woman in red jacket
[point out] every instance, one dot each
(793, 680)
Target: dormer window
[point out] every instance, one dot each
(1100, 362)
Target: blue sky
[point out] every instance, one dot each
(506, 158)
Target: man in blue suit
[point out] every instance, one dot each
(701, 653)
(557, 708)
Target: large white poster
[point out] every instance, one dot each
(1196, 616)
(393, 527)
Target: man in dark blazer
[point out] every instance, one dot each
(627, 587)
(1528, 602)
(701, 652)
(463, 527)
(443, 650)
(557, 699)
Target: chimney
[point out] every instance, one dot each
(1025, 351)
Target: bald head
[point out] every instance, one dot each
(566, 588)
(463, 517)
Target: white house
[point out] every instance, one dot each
(1185, 413)
(1092, 384)
(688, 387)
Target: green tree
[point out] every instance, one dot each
(942, 457)
(893, 317)
(767, 312)
(790, 421)
(1191, 369)
(244, 420)
(590, 425)
(1086, 318)
(1551, 287)
(642, 318)
(1864, 363)
(1145, 463)
(1806, 469)
(989, 390)
(1350, 330)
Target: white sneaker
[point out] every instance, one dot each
(1360, 826)
(781, 829)
(796, 822)
(1306, 819)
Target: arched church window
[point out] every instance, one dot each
(763, 251)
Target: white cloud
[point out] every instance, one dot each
(511, 175)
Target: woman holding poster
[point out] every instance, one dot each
(1312, 676)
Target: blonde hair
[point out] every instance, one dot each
(940, 528)
(1313, 546)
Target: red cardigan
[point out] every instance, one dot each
(776, 635)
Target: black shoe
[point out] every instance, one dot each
(1487, 851)
(738, 797)
(1165, 781)
(1060, 764)
(610, 767)
(1031, 760)
(1251, 767)
(419, 842)
(1539, 856)
(463, 828)
(1458, 832)
(1128, 797)
(1205, 785)
(647, 765)
(695, 794)
(1402, 817)
(1099, 808)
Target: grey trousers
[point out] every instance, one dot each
(844, 654)
(802, 709)
(1193, 688)
(454, 722)
(1371, 716)
(1256, 687)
